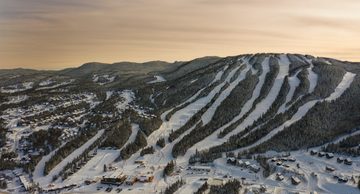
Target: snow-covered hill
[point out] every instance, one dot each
(271, 106)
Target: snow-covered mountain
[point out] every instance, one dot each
(113, 120)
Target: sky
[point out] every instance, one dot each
(56, 34)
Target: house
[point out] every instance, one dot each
(342, 180)
(145, 179)
(25, 183)
(254, 168)
(329, 155)
(321, 154)
(240, 163)
(313, 152)
(348, 161)
(291, 159)
(231, 160)
(130, 180)
(139, 161)
(329, 168)
(279, 176)
(113, 180)
(295, 180)
(340, 159)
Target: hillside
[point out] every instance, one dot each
(253, 107)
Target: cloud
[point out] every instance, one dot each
(64, 33)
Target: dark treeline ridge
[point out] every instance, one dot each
(174, 187)
(348, 146)
(231, 187)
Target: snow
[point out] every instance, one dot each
(56, 85)
(207, 116)
(303, 110)
(294, 82)
(179, 118)
(219, 75)
(109, 94)
(313, 77)
(17, 87)
(260, 109)
(107, 79)
(158, 79)
(192, 81)
(46, 82)
(134, 131)
(16, 99)
(343, 85)
(95, 167)
(39, 168)
(127, 97)
(44, 180)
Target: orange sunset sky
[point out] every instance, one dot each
(55, 34)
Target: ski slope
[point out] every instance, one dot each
(45, 180)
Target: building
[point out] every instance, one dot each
(130, 180)
(200, 168)
(321, 154)
(240, 163)
(231, 160)
(329, 168)
(145, 179)
(329, 155)
(113, 180)
(340, 159)
(348, 161)
(254, 168)
(279, 177)
(295, 180)
(27, 185)
(313, 152)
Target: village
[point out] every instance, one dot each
(289, 172)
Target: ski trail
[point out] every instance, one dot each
(39, 168)
(265, 104)
(44, 180)
(180, 117)
(313, 77)
(294, 83)
(343, 85)
(211, 139)
(193, 97)
(304, 109)
(134, 131)
(207, 116)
